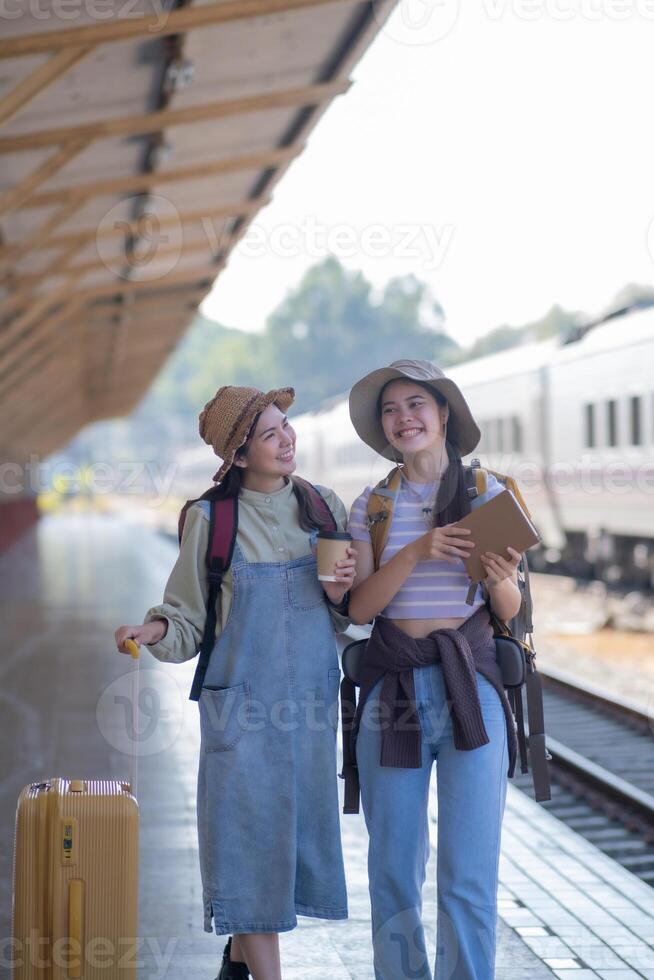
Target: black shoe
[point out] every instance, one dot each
(230, 969)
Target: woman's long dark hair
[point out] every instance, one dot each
(452, 501)
(230, 486)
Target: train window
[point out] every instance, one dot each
(635, 420)
(589, 412)
(516, 434)
(612, 422)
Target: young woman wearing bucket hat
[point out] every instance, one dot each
(267, 807)
(431, 689)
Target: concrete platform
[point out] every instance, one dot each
(565, 908)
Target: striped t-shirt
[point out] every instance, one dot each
(435, 589)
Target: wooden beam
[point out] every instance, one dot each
(116, 286)
(153, 26)
(57, 269)
(26, 368)
(81, 238)
(142, 320)
(29, 404)
(14, 353)
(125, 287)
(65, 351)
(129, 286)
(60, 402)
(137, 183)
(22, 401)
(40, 79)
(145, 304)
(40, 305)
(16, 250)
(17, 195)
(305, 95)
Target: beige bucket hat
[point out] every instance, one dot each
(462, 430)
(226, 420)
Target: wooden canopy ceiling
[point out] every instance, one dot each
(136, 147)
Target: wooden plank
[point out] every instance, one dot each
(63, 402)
(180, 249)
(56, 267)
(17, 195)
(14, 251)
(65, 352)
(143, 321)
(14, 377)
(183, 296)
(81, 238)
(115, 287)
(40, 79)
(152, 26)
(39, 305)
(15, 353)
(22, 401)
(129, 286)
(304, 95)
(137, 183)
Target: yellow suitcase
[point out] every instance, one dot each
(75, 890)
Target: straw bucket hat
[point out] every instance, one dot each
(463, 431)
(226, 420)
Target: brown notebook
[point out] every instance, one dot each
(499, 522)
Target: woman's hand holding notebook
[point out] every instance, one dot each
(496, 525)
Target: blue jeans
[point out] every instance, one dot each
(471, 788)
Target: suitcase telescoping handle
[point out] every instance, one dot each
(133, 649)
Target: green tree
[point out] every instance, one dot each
(329, 330)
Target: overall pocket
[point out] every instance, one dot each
(224, 716)
(305, 591)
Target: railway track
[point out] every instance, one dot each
(602, 769)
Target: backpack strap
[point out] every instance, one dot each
(350, 771)
(327, 519)
(223, 525)
(381, 504)
(528, 604)
(538, 754)
(211, 494)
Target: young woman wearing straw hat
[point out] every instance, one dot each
(430, 684)
(268, 823)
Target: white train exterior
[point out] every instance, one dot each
(574, 423)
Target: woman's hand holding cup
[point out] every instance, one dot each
(336, 563)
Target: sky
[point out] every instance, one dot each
(503, 152)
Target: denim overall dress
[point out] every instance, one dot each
(267, 805)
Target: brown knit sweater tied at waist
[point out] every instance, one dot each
(392, 654)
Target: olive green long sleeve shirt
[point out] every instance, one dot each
(268, 531)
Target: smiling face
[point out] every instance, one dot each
(412, 419)
(270, 453)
